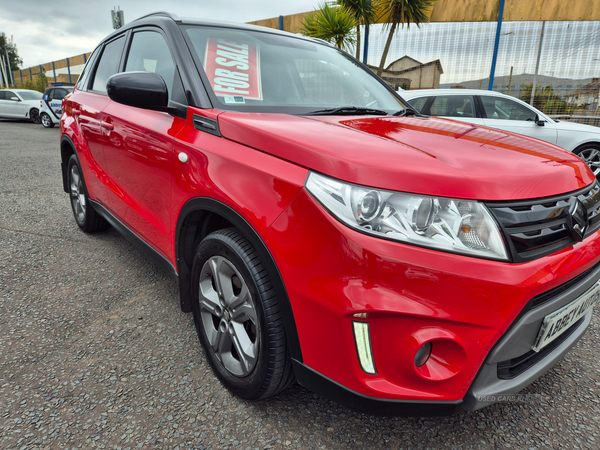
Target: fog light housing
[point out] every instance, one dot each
(362, 339)
(423, 355)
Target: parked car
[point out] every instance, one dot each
(51, 105)
(504, 112)
(319, 230)
(20, 104)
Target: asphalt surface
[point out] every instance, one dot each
(95, 352)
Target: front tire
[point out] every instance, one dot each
(86, 217)
(237, 317)
(34, 115)
(591, 156)
(46, 120)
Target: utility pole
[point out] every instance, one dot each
(537, 64)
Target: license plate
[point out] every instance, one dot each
(559, 321)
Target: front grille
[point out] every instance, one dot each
(507, 370)
(536, 228)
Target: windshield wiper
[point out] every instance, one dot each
(407, 112)
(348, 111)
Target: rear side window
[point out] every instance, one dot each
(3, 95)
(108, 65)
(149, 52)
(418, 103)
(453, 106)
(505, 109)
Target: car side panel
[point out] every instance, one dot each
(138, 154)
(82, 125)
(236, 175)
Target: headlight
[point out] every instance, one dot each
(453, 225)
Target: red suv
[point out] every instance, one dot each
(321, 230)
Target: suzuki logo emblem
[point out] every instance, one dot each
(577, 221)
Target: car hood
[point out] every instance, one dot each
(430, 156)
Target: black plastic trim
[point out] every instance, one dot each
(332, 390)
(512, 368)
(63, 164)
(205, 204)
(207, 125)
(138, 242)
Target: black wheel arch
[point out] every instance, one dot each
(67, 148)
(200, 217)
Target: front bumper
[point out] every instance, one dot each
(477, 313)
(512, 364)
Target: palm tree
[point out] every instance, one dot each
(332, 24)
(401, 12)
(363, 13)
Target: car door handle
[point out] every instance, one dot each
(109, 126)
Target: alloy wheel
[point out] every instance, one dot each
(591, 156)
(229, 317)
(77, 194)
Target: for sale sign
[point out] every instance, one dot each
(233, 68)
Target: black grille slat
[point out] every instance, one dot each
(536, 228)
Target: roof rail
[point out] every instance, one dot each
(160, 13)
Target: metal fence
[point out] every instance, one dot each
(568, 76)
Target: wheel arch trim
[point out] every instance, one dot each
(64, 160)
(210, 205)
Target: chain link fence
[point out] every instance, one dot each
(459, 55)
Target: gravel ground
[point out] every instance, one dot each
(95, 352)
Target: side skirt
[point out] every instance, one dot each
(138, 242)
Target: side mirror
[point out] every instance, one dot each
(144, 90)
(539, 122)
(15, 99)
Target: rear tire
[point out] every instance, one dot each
(237, 317)
(85, 215)
(34, 115)
(46, 120)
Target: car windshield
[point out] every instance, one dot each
(264, 72)
(30, 95)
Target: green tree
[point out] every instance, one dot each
(401, 12)
(8, 47)
(13, 55)
(332, 24)
(363, 13)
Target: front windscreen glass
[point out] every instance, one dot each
(31, 95)
(255, 71)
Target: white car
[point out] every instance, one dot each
(504, 112)
(20, 104)
(51, 105)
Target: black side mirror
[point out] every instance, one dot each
(144, 90)
(539, 122)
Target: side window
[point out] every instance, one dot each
(11, 96)
(418, 103)
(108, 65)
(83, 78)
(505, 109)
(453, 106)
(59, 94)
(149, 52)
(51, 94)
(3, 95)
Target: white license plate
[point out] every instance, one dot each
(559, 321)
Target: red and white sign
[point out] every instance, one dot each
(233, 68)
